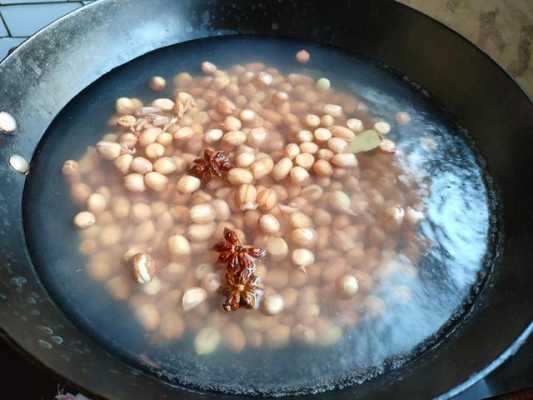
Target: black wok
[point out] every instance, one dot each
(48, 70)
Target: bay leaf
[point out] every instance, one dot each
(365, 141)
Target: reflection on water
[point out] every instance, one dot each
(405, 309)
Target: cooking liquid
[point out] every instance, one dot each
(419, 299)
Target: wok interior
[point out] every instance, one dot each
(458, 226)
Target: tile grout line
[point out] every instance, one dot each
(5, 25)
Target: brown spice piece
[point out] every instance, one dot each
(242, 290)
(143, 268)
(237, 257)
(213, 164)
(242, 285)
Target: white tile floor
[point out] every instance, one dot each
(24, 20)
(20, 19)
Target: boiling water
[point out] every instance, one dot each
(433, 150)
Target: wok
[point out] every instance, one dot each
(51, 68)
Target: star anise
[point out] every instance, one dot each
(184, 103)
(242, 285)
(237, 257)
(242, 290)
(212, 164)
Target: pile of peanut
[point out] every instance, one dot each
(329, 219)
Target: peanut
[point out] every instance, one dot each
(179, 245)
(84, 219)
(262, 167)
(282, 169)
(246, 197)
(143, 268)
(188, 184)
(269, 224)
(239, 176)
(344, 160)
(202, 214)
